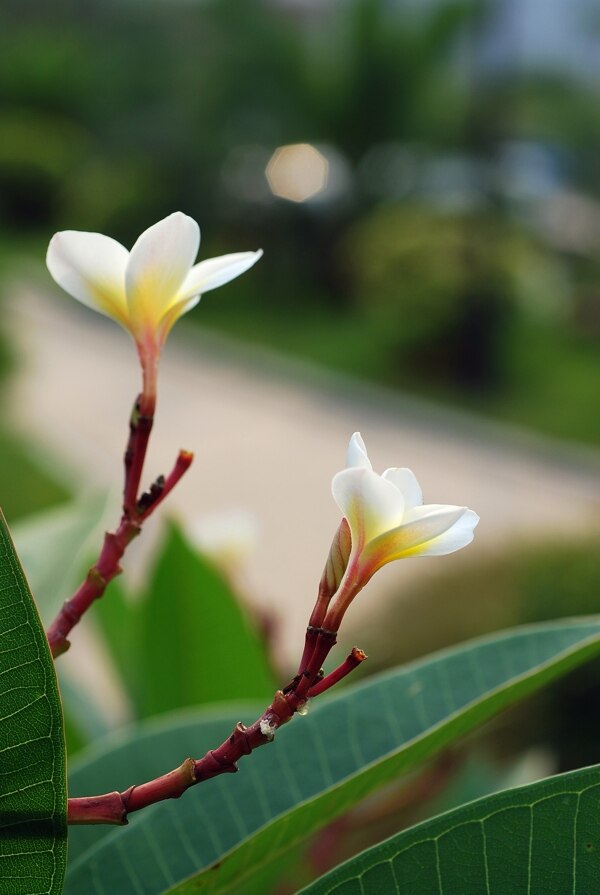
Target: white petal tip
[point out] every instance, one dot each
(356, 455)
(471, 517)
(179, 216)
(253, 257)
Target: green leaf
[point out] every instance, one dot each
(33, 796)
(56, 548)
(196, 644)
(318, 767)
(83, 720)
(540, 839)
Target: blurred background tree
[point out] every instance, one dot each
(450, 244)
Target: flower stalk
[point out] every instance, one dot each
(93, 586)
(140, 429)
(145, 290)
(135, 511)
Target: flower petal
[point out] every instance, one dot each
(216, 272)
(406, 481)
(91, 268)
(369, 503)
(457, 536)
(356, 455)
(158, 264)
(422, 526)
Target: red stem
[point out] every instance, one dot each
(135, 512)
(151, 499)
(140, 427)
(324, 641)
(93, 586)
(114, 807)
(349, 664)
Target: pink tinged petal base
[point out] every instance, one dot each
(371, 504)
(158, 264)
(91, 268)
(215, 272)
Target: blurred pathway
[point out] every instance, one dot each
(268, 435)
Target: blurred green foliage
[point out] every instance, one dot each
(25, 485)
(183, 641)
(442, 250)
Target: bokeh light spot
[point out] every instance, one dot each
(297, 172)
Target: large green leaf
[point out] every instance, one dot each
(196, 644)
(318, 767)
(541, 839)
(84, 722)
(33, 797)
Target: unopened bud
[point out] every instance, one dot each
(337, 561)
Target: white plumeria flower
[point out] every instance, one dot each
(388, 520)
(147, 289)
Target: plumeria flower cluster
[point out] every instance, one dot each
(383, 516)
(147, 289)
(384, 519)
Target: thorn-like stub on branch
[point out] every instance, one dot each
(60, 647)
(70, 614)
(239, 738)
(95, 578)
(211, 766)
(281, 707)
(187, 771)
(135, 413)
